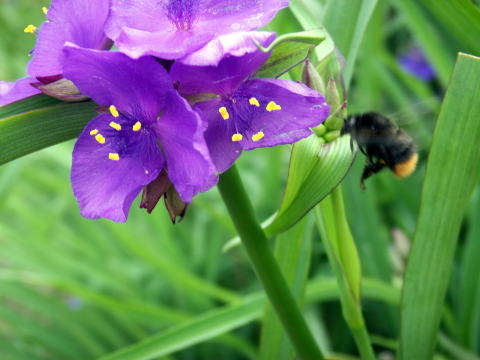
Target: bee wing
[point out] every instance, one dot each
(426, 108)
(418, 120)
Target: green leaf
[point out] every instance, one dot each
(461, 19)
(343, 257)
(428, 36)
(339, 243)
(307, 12)
(347, 21)
(453, 170)
(284, 57)
(293, 254)
(469, 283)
(214, 323)
(25, 128)
(28, 104)
(202, 328)
(315, 170)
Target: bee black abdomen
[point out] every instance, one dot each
(401, 149)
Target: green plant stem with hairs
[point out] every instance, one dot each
(267, 269)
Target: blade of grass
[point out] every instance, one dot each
(216, 322)
(453, 170)
(347, 21)
(461, 18)
(468, 310)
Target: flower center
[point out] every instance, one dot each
(181, 13)
(242, 111)
(125, 134)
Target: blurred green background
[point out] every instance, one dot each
(72, 288)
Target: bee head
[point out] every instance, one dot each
(348, 125)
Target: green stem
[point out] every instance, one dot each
(343, 257)
(267, 269)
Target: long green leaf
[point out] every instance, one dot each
(453, 170)
(469, 287)
(315, 169)
(210, 325)
(428, 36)
(28, 104)
(207, 326)
(36, 128)
(293, 253)
(461, 18)
(347, 21)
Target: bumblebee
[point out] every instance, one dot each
(383, 143)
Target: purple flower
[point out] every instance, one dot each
(146, 127)
(416, 64)
(248, 113)
(171, 29)
(79, 22)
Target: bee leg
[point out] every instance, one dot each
(370, 169)
(364, 152)
(351, 144)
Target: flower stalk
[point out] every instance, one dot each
(343, 257)
(267, 269)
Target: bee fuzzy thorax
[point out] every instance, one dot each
(384, 144)
(406, 168)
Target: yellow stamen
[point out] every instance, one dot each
(224, 112)
(114, 156)
(273, 106)
(45, 10)
(115, 125)
(253, 101)
(258, 136)
(113, 111)
(237, 137)
(94, 132)
(30, 29)
(100, 138)
(137, 126)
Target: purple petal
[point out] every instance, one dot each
(234, 44)
(106, 187)
(180, 131)
(163, 44)
(112, 78)
(301, 109)
(227, 16)
(416, 64)
(15, 91)
(223, 150)
(171, 29)
(261, 113)
(79, 22)
(240, 58)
